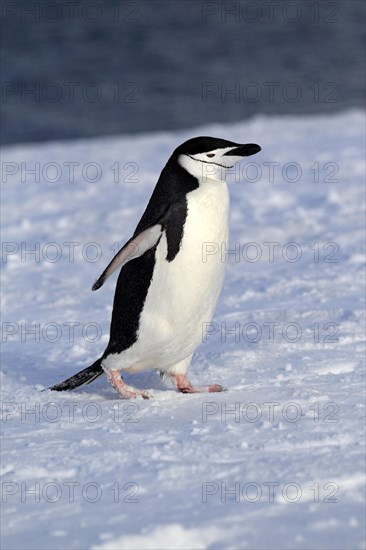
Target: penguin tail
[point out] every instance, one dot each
(81, 378)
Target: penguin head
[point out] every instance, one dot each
(210, 158)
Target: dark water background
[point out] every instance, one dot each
(88, 68)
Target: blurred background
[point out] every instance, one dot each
(90, 68)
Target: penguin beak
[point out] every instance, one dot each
(244, 150)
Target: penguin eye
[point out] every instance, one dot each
(210, 155)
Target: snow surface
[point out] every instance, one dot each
(88, 470)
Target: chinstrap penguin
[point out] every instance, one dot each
(165, 290)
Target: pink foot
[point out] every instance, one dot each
(185, 386)
(126, 391)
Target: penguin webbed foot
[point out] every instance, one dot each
(124, 390)
(184, 385)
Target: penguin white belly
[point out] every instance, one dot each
(183, 293)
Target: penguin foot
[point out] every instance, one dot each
(185, 386)
(124, 390)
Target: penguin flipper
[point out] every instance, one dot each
(134, 248)
(83, 377)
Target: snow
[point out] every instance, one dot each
(277, 461)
